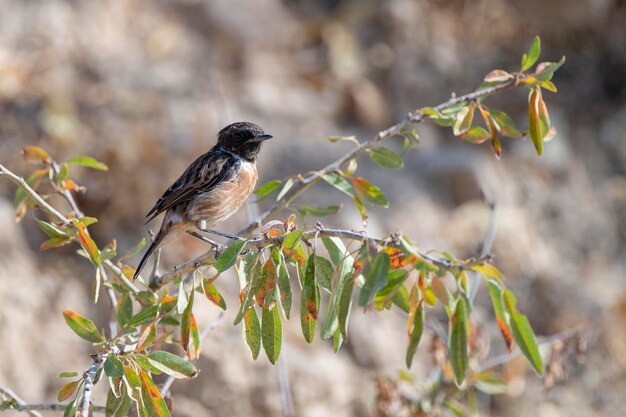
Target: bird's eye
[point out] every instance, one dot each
(238, 135)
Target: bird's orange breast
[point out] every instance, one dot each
(224, 200)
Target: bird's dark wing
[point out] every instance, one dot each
(210, 169)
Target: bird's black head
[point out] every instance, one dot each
(243, 139)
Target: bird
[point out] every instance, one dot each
(212, 188)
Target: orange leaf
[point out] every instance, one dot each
(35, 155)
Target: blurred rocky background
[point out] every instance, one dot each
(145, 85)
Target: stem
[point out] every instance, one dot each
(263, 241)
(382, 136)
(90, 376)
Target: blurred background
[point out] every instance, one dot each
(144, 86)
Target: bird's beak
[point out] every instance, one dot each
(262, 137)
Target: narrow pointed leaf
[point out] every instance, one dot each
(529, 58)
(369, 192)
(339, 183)
(185, 323)
(497, 300)
(310, 301)
(415, 330)
(386, 158)
(267, 188)
(171, 364)
(272, 333)
(545, 70)
(213, 295)
(229, 257)
(124, 310)
(375, 274)
(144, 316)
(458, 341)
(523, 333)
(153, 403)
(252, 332)
(67, 390)
(83, 327)
(112, 366)
(288, 184)
(534, 129)
(89, 162)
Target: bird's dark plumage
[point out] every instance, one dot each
(213, 187)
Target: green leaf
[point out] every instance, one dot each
(401, 299)
(153, 402)
(488, 270)
(369, 192)
(386, 158)
(344, 304)
(252, 332)
(83, 327)
(89, 162)
(339, 183)
(318, 211)
(284, 285)
(267, 188)
(229, 257)
(323, 273)
(288, 184)
(144, 316)
(145, 364)
(272, 333)
(124, 310)
(523, 333)
(444, 120)
(67, 390)
(337, 251)
(504, 124)
(458, 341)
(251, 289)
(88, 245)
(147, 337)
(529, 58)
(534, 129)
(67, 374)
(415, 330)
(375, 274)
(118, 407)
(112, 366)
(310, 301)
(546, 70)
(214, 296)
(172, 365)
(51, 230)
(497, 300)
(185, 323)
(475, 135)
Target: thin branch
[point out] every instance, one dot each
(19, 181)
(263, 241)
(90, 377)
(31, 408)
(382, 136)
(285, 387)
(6, 392)
(490, 236)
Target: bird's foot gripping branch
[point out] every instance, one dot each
(289, 259)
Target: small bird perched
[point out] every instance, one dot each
(212, 188)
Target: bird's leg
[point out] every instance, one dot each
(201, 225)
(203, 238)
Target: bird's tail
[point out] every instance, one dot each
(153, 246)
